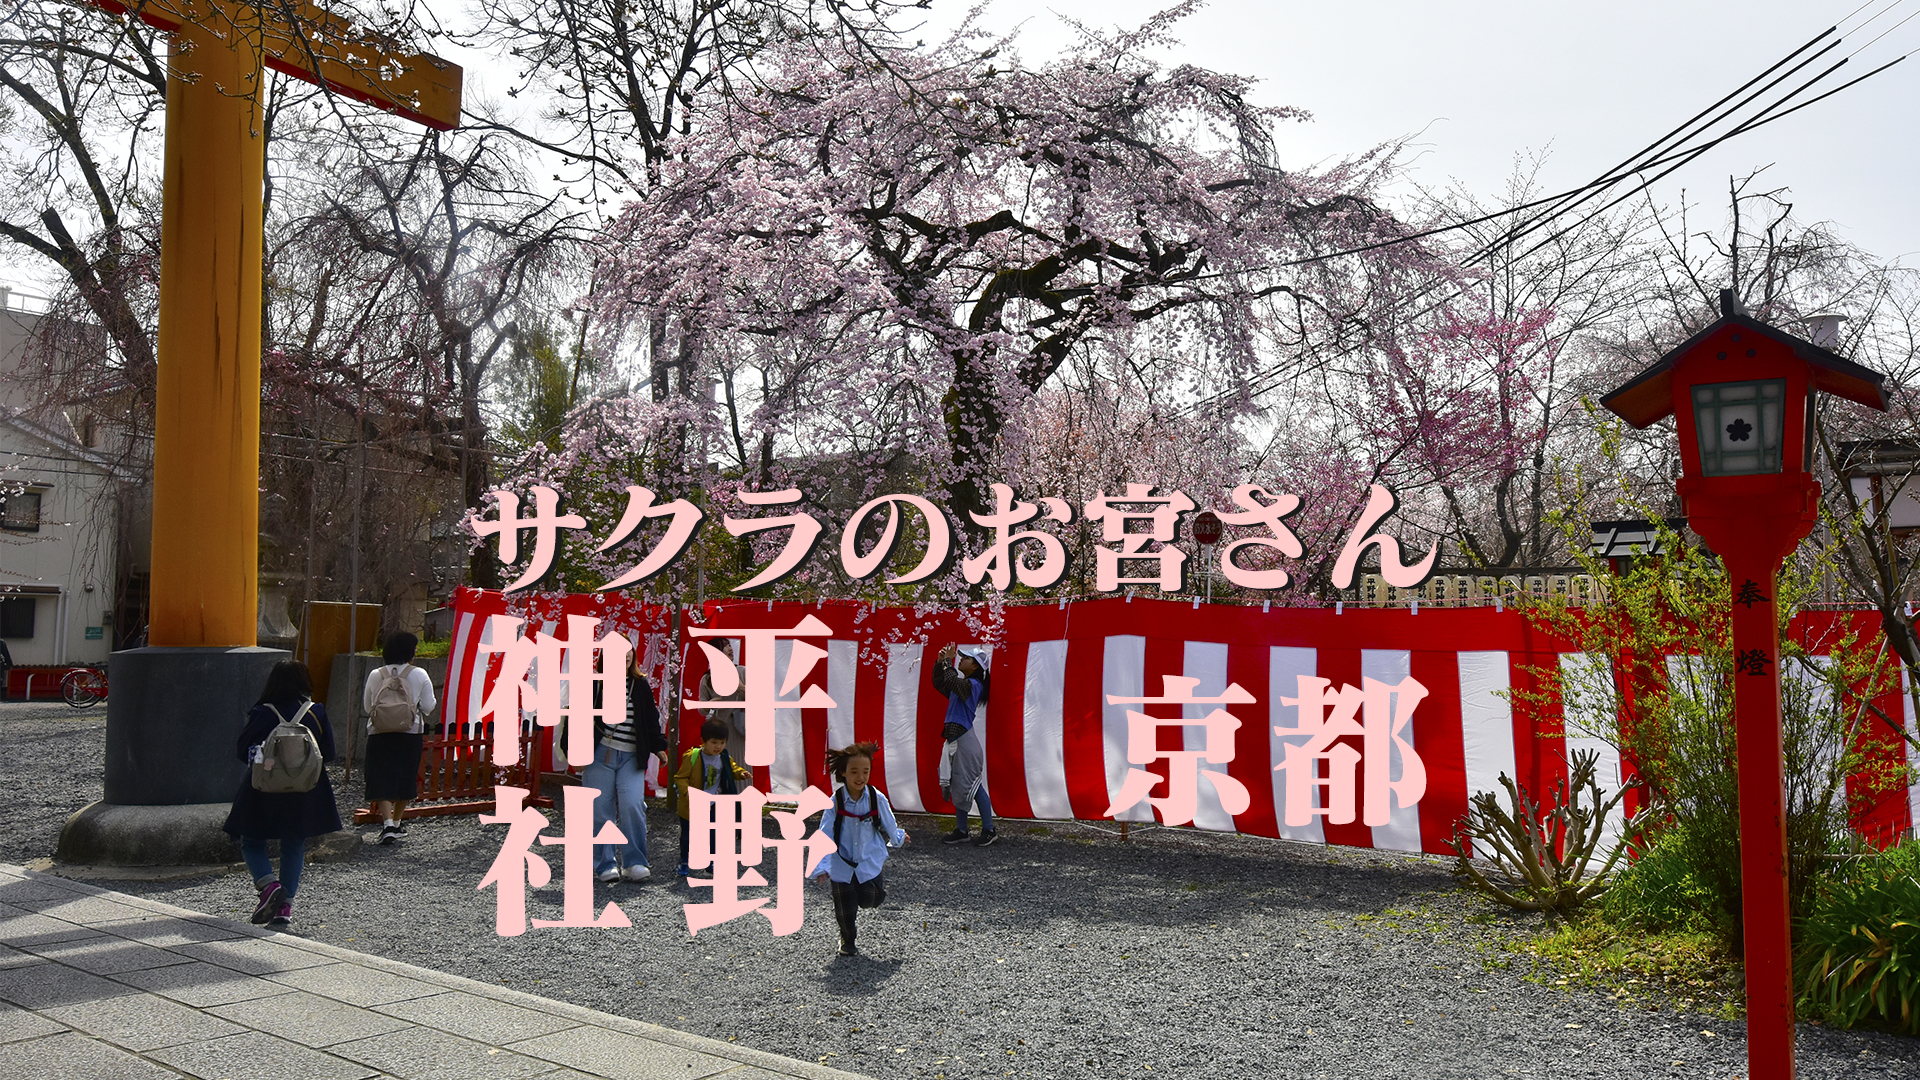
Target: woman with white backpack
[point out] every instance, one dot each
(398, 698)
(286, 795)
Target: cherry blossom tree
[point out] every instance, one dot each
(80, 95)
(919, 247)
(618, 82)
(1457, 412)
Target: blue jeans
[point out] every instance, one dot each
(985, 806)
(293, 859)
(619, 777)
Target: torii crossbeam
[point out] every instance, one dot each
(206, 504)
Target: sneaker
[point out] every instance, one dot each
(269, 902)
(957, 836)
(399, 828)
(685, 870)
(987, 837)
(282, 917)
(847, 949)
(388, 834)
(608, 875)
(637, 873)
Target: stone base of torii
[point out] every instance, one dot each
(173, 715)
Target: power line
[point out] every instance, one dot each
(1683, 153)
(1882, 34)
(1749, 126)
(436, 475)
(1611, 176)
(28, 472)
(1680, 155)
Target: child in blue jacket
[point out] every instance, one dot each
(862, 826)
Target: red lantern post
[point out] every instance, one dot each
(1743, 395)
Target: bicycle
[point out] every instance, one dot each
(83, 688)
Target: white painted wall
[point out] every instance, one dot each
(67, 566)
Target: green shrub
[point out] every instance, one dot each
(1901, 859)
(1657, 684)
(1662, 892)
(1859, 949)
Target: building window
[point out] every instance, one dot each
(20, 512)
(16, 617)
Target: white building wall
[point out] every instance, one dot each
(67, 565)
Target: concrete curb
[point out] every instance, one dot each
(101, 835)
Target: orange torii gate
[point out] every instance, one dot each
(207, 414)
(177, 705)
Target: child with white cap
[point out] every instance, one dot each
(965, 683)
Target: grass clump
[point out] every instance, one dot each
(1663, 891)
(1654, 939)
(1858, 951)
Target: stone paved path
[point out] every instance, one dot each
(104, 986)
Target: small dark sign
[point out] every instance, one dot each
(1206, 527)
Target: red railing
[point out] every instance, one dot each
(457, 774)
(37, 682)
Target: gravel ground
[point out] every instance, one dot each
(1059, 952)
(52, 762)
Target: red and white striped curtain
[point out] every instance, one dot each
(1056, 750)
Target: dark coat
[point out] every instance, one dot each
(283, 815)
(642, 712)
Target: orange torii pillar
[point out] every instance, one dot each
(206, 439)
(177, 705)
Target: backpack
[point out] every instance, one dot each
(840, 816)
(393, 710)
(289, 758)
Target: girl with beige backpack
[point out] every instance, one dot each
(286, 795)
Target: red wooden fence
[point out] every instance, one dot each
(457, 775)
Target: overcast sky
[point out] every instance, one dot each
(1480, 81)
